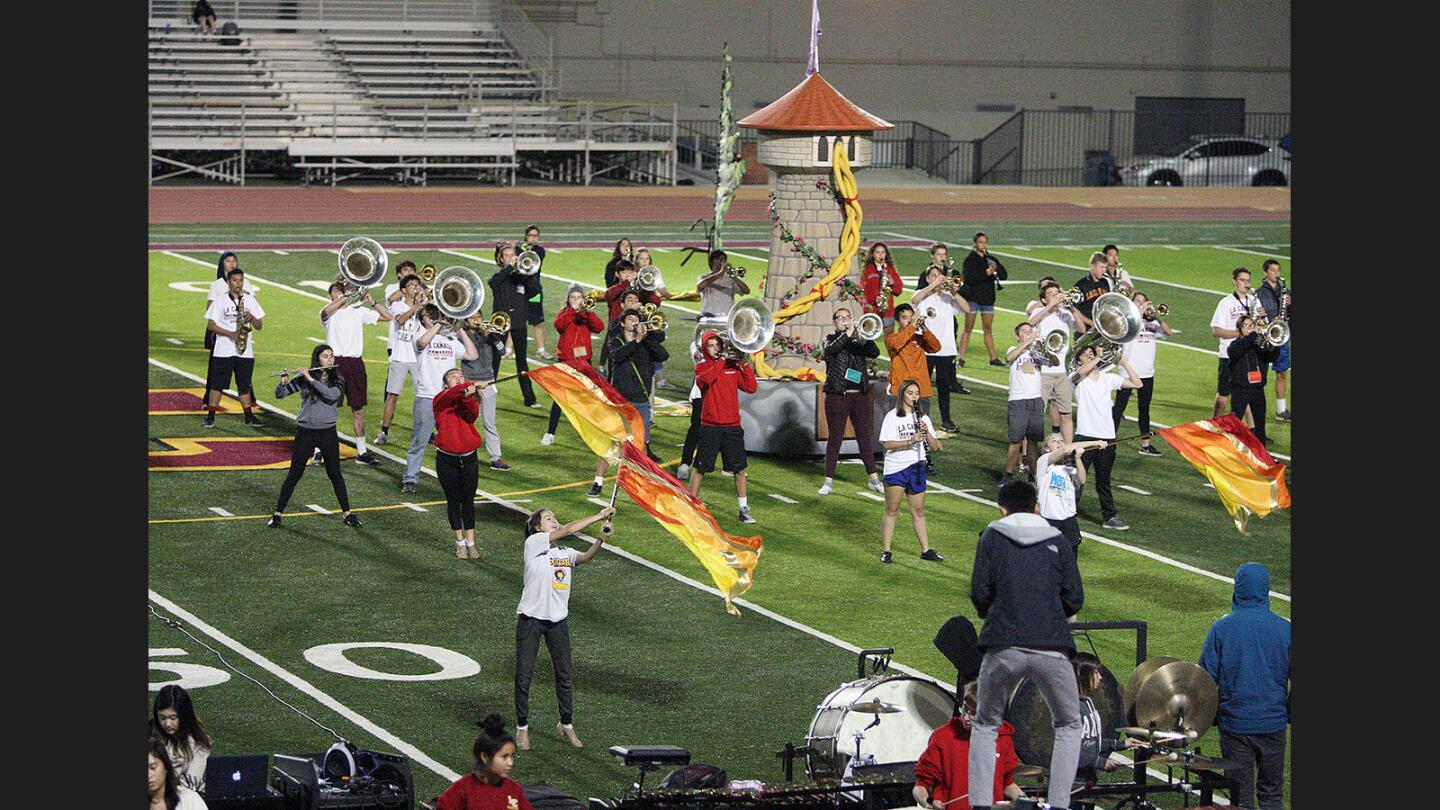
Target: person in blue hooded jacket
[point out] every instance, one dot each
(1247, 651)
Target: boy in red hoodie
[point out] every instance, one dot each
(576, 325)
(720, 380)
(942, 772)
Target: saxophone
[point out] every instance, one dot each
(242, 326)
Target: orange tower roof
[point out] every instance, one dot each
(814, 106)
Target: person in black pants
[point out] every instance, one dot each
(1095, 421)
(1141, 354)
(320, 397)
(512, 291)
(457, 462)
(1248, 360)
(692, 434)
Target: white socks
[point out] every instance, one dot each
(1279, 404)
(744, 503)
(600, 479)
(360, 445)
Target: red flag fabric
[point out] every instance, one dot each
(1243, 472)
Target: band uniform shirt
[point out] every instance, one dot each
(440, 356)
(345, 329)
(1064, 320)
(902, 428)
(1094, 417)
(224, 312)
(1024, 378)
(943, 324)
(219, 288)
(717, 298)
(403, 335)
(1057, 484)
(548, 573)
(1227, 311)
(1141, 351)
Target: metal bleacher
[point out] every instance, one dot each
(399, 88)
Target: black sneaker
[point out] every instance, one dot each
(1149, 450)
(931, 555)
(208, 421)
(1004, 479)
(1283, 416)
(653, 457)
(995, 361)
(407, 486)
(961, 389)
(499, 464)
(351, 520)
(960, 361)
(273, 522)
(949, 427)
(368, 459)
(594, 490)
(745, 516)
(252, 420)
(885, 557)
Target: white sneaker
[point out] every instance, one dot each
(381, 438)
(875, 485)
(683, 472)
(547, 440)
(824, 489)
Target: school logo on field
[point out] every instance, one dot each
(182, 401)
(226, 453)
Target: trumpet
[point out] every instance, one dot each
(733, 271)
(527, 263)
(591, 299)
(1073, 296)
(498, 324)
(1153, 311)
(649, 279)
(657, 322)
(1273, 334)
(427, 274)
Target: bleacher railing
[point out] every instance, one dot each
(537, 49)
(345, 10)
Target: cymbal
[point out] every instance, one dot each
(1026, 771)
(875, 706)
(1178, 695)
(1156, 735)
(1132, 686)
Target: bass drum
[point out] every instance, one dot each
(1034, 734)
(899, 737)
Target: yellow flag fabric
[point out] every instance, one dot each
(1247, 478)
(730, 560)
(599, 413)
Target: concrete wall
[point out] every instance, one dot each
(931, 60)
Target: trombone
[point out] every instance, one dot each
(870, 326)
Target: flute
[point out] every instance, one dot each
(289, 371)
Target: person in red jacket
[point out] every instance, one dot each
(576, 326)
(720, 380)
(456, 462)
(488, 786)
(880, 272)
(942, 773)
(628, 272)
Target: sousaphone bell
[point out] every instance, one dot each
(363, 263)
(749, 327)
(459, 293)
(1116, 321)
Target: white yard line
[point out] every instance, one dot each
(315, 507)
(176, 342)
(872, 496)
(1251, 252)
(221, 512)
(280, 253)
(415, 507)
(306, 687)
(1128, 488)
(781, 498)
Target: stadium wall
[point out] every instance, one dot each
(931, 61)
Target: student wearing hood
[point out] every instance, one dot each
(943, 770)
(1247, 652)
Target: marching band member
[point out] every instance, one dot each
(941, 362)
(218, 289)
(1092, 395)
(457, 464)
(1141, 354)
(1058, 479)
(642, 261)
(490, 348)
(345, 331)
(880, 273)
(488, 785)
(1039, 301)
(543, 611)
(225, 319)
(1092, 285)
(435, 354)
(320, 398)
(1113, 268)
(535, 304)
(624, 252)
(632, 366)
(982, 273)
(908, 345)
(907, 435)
(1055, 386)
(512, 291)
(576, 326)
(1239, 302)
(721, 379)
(1025, 410)
(401, 346)
(1248, 358)
(627, 272)
(1274, 298)
(847, 397)
(942, 778)
(718, 288)
(697, 407)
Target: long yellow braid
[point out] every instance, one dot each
(839, 268)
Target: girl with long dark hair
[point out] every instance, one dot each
(907, 436)
(320, 397)
(624, 251)
(173, 721)
(881, 282)
(457, 462)
(488, 784)
(166, 792)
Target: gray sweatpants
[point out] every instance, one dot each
(1000, 671)
(487, 419)
(424, 416)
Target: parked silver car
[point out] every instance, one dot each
(1231, 160)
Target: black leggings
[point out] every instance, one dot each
(944, 370)
(1146, 389)
(554, 418)
(306, 440)
(518, 331)
(459, 475)
(692, 436)
(1104, 462)
(1254, 396)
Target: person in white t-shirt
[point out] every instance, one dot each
(227, 316)
(1141, 354)
(1055, 315)
(345, 332)
(1058, 480)
(1025, 410)
(1117, 271)
(941, 363)
(1092, 398)
(410, 295)
(1239, 302)
(543, 612)
(907, 435)
(435, 354)
(218, 288)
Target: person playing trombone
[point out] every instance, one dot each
(490, 347)
(320, 398)
(847, 396)
(512, 291)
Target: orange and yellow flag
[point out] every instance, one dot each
(730, 560)
(1247, 478)
(601, 415)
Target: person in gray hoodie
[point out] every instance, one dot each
(320, 396)
(1025, 585)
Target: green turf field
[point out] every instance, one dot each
(656, 659)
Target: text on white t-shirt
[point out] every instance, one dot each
(548, 573)
(902, 428)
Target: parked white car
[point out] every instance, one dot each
(1231, 160)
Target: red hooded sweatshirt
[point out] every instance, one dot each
(455, 415)
(720, 383)
(575, 329)
(944, 768)
(870, 283)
